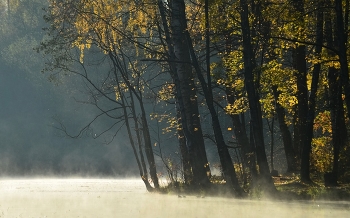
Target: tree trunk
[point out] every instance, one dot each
(272, 139)
(248, 154)
(185, 137)
(141, 164)
(338, 122)
(305, 158)
(187, 90)
(342, 46)
(339, 132)
(254, 104)
(224, 155)
(299, 62)
(145, 129)
(148, 147)
(138, 137)
(286, 135)
(185, 158)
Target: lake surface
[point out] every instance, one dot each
(103, 198)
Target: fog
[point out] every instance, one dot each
(30, 143)
(128, 198)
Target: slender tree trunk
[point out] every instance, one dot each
(305, 160)
(254, 104)
(248, 154)
(272, 143)
(148, 146)
(138, 137)
(339, 132)
(141, 165)
(338, 122)
(299, 59)
(296, 135)
(342, 46)
(117, 62)
(286, 135)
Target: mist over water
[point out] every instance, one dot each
(128, 198)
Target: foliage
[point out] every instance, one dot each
(322, 152)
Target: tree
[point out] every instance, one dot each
(339, 132)
(254, 104)
(91, 24)
(342, 28)
(306, 151)
(225, 158)
(185, 90)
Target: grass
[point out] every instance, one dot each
(317, 191)
(288, 187)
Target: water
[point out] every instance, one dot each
(128, 198)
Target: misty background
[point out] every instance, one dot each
(32, 106)
(31, 145)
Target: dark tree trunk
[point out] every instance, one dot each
(224, 155)
(248, 154)
(305, 158)
(141, 164)
(272, 141)
(296, 135)
(299, 62)
(184, 133)
(339, 132)
(118, 63)
(292, 165)
(181, 72)
(254, 104)
(148, 147)
(185, 158)
(338, 122)
(145, 177)
(342, 46)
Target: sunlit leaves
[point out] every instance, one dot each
(233, 62)
(322, 151)
(172, 123)
(274, 74)
(322, 154)
(240, 105)
(323, 122)
(105, 23)
(228, 73)
(122, 87)
(166, 92)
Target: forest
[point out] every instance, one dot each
(259, 86)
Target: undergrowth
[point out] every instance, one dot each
(288, 188)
